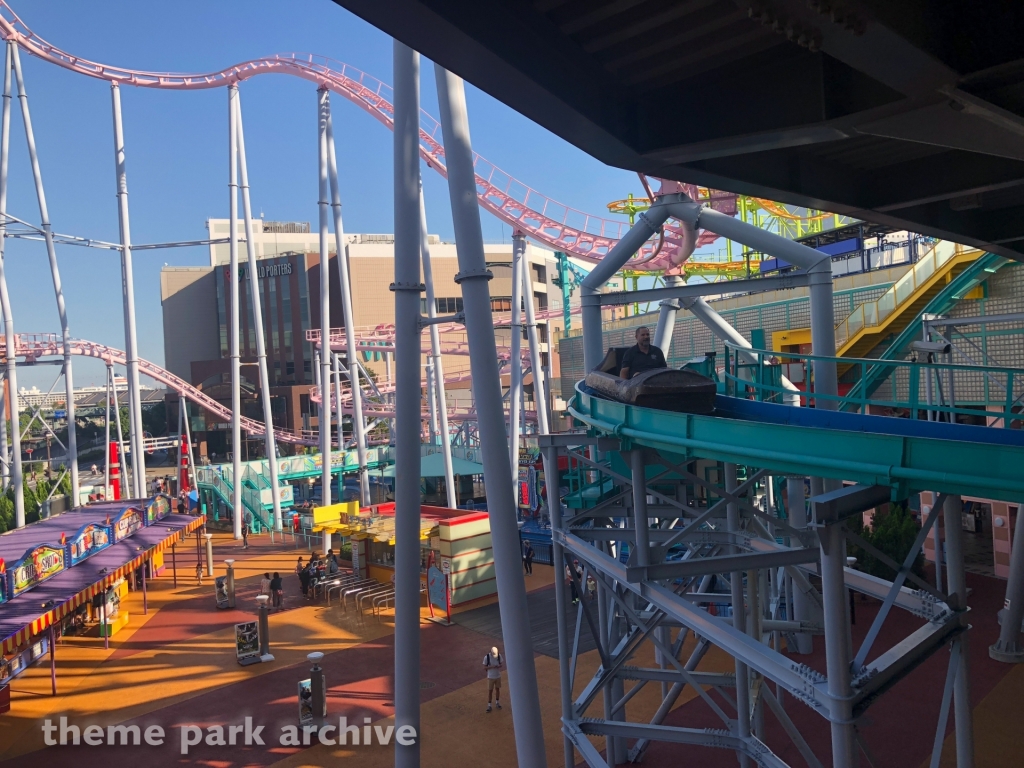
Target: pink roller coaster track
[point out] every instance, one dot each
(523, 208)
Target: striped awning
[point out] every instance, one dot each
(69, 597)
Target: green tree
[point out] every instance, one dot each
(893, 533)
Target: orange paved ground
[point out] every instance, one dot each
(177, 666)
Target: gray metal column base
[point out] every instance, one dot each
(1008, 653)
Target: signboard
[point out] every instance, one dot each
(89, 540)
(356, 565)
(158, 508)
(60, 414)
(221, 586)
(126, 523)
(247, 641)
(35, 567)
(3, 581)
(305, 702)
(446, 565)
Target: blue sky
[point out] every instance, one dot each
(176, 146)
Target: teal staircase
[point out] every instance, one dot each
(971, 277)
(217, 483)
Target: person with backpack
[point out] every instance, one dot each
(493, 663)
(265, 585)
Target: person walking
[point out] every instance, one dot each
(304, 577)
(199, 573)
(493, 664)
(528, 554)
(265, 585)
(276, 590)
(572, 584)
(245, 535)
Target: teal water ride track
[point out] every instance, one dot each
(908, 456)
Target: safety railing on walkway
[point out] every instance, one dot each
(874, 313)
(919, 390)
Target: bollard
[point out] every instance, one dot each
(209, 553)
(318, 687)
(265, 654)
(231, 582)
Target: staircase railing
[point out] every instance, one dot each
(873, 313)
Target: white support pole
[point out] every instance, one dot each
(407, 290)
(323, 112)
(432, 404)
(739, 617)
(336, 370)
(181, 442)
(51, 252)
(5, 456)
(270, 445)
(106, 433)
(347, 299)
(233, 321)
(128, 294)
(515, 360)
(435, 354)
(473, 276)
(804, 608)
(667, 312)
(17, 474)
(952, 510)
(541, 398)
(120, 437)
(191, 448)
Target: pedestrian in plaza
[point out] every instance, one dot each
(199, 573)
(304, 577)
(245, 535)
(591, 587)
(572, 584)
(265, 585)
(528, 554)
(181, 503)
(276, 589)
(493, 663)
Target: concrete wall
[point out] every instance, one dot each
(188, 296)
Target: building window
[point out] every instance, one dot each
(289, 368)
(307, 366)
(540, 273)
(542, 301)
(501, 304)
(448, 305)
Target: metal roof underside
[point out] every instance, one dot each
(905, 113)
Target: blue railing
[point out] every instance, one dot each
(923, 390)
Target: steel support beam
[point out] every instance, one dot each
(473, 276)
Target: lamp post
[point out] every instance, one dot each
(48, 605)
(230, 583)
(318, 687)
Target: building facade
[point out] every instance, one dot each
(196, 305)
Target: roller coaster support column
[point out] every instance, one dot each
(233, 340)
(739, 618)
(351, 356)
(803, 609)
(473, 276)
(435, 355)
(257, 314)
(647, 225)
(540, 382)
(17, 475)
(1009, 647)
(515, 358)
(51, 252)
(324, 112)
(550, 454)
(952, 510)
(667, 317)
(407, 288)
(128, 287)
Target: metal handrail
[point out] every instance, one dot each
(753, 380)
